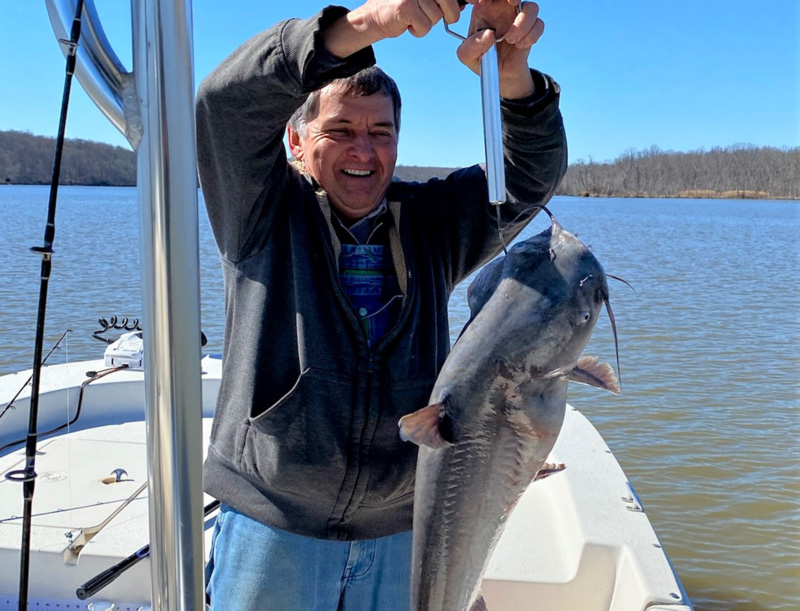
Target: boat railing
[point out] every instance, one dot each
(153, 106)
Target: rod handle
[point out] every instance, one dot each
(98, 582)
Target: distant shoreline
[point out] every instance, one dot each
(697, 194)
(694, 194)
(742, 171)
(62, 184)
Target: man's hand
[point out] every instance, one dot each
(394, 17)
(519, 32)
(378, 19)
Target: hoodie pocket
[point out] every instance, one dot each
(299, 444)
(392, 461)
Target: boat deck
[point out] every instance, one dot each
(576, 540)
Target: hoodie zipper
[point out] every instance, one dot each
(333, 268)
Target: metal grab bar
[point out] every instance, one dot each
(153, 106)
(100, 72)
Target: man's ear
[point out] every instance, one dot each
(295, 142)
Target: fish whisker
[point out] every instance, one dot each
(616, 340)
(630, 286)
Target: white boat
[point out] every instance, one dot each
(578, 540)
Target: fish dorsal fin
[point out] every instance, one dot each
(590, 371)
(422, 427)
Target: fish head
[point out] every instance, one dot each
(554, 289)
(532, 314)
(584, 281)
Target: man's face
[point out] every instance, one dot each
(350, 148)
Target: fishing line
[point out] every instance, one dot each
(500, 230)
(69, 438)
(28, 475)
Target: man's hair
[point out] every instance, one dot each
(364, 83)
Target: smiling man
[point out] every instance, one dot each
(337, 280)
(346, 137)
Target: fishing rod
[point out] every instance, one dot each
(10, 404)
(28, 475)
(98, 582)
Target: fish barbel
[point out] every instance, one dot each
(497, 408)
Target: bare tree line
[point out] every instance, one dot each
(738, 171)
(28, 159)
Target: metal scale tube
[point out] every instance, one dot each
(493, 126)
(492, 121)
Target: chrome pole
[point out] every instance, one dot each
(98, 69)
(154, 108)
(167, 181)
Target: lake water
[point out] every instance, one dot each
(707, 428)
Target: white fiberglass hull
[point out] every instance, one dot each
(574, 542)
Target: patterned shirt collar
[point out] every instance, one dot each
(363, 228)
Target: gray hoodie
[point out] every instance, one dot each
(305, 434)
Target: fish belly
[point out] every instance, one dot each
(464, 494)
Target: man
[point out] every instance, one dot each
(336, 282)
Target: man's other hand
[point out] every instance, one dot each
(378, 19)
(518, 28)
(394, 17)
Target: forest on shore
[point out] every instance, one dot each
(26, 159)
(739, 171)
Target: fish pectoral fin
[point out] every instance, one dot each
(422, 427)
(590, 371)
(548, 469)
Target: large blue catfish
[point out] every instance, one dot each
(497, 408)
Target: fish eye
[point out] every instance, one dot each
(586, 316)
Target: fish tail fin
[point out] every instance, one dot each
(422, 427)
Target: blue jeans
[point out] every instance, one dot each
(256, 567)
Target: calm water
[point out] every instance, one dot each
(707, 427)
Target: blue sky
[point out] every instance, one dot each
(681, 76)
